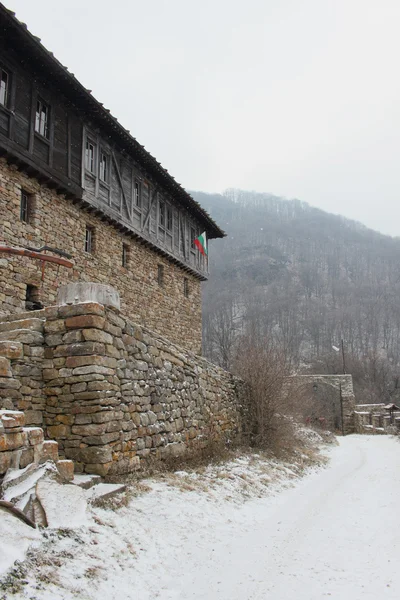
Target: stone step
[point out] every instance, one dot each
(21, 491)
(14, 477)
(32, 324)
(104, 491)
(86, 481)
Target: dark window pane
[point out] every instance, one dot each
(162, 214)
(169, 219)
(4, 85)
(24, 207)
(136, 194)
(89, 240)
(161, 275)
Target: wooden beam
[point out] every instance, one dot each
(147, 217)
(128, 210)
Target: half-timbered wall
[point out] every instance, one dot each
(114, 182)
(53, 143)
(42, 128)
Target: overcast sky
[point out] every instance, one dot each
(299, 98)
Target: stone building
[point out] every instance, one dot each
(72, 178)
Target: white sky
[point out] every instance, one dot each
(299, 98)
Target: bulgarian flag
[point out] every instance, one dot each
(201, 243)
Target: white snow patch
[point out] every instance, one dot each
(191, 536)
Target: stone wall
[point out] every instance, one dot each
(116, 395)
(374, 418)
(57, 222)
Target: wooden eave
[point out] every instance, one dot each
(82, 98)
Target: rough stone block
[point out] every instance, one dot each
(11, 350)
(25, 336)
(27, 457)
(66, 469)
(49, 451)
(97, 335)
(89, 429)
(101, 469)
(85, 321)
(88, 292)
(35, 435)
(11, 419)
(80, 349)
(5, 461)
(31, 324)
(81, 361)
(12, 441)
(7, 383)
(56, 326)
(90, 455)
(58, 431)
(101, 440)
(5, 367)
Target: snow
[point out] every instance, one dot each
(191, 536)
(28, 484)
(16, 537)
(64, 505)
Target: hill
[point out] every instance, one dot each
(294, 273)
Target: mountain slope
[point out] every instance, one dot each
(301, 275)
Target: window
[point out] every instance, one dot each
(25, 207)
(90, 156)
(161, 275)
(103, 167)
(4, 87)
(137, 194)
(192, 238)
(42, 118)
(169, 218)
(89, 240)
(162, 214)
(186, 287)
(125, 255)
(32, 298)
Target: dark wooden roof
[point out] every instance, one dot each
(82, 98)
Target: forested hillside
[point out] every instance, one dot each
(307, 279)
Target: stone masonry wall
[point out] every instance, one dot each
(115, 395)
(57, 222)
(375, 418)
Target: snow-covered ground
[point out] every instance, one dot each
(188, 536)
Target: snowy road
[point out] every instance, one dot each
(335, 534)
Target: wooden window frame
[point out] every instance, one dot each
(161, 213)
(137, 194)
(104, 172)
(40, 103)
(169, 226)
(90, 142)
(193, 236)
(89, 239)
(25, 209)
(7, 87)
